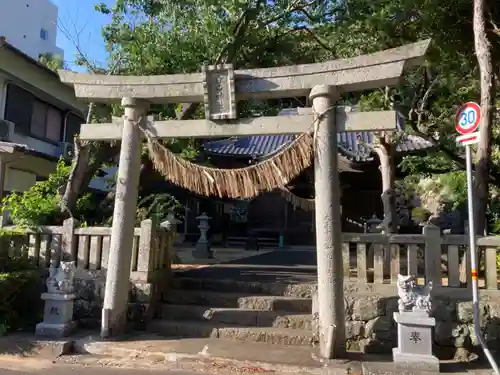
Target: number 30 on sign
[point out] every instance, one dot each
(467, 123)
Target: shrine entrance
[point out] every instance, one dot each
(219, 88)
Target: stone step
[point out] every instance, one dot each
(241, 317)
(192, 329)
(303, 290)
(236, 300)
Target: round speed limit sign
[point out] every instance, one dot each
(468, 117)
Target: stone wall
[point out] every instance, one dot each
(88, 302)
(90, 297)
(89, 247)
(370, 326)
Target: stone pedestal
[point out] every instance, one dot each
(171, 225)
(414, 351)
(202, 249)
(58, 315)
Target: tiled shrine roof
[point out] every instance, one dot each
(355, 146)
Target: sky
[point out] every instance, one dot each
(79, 24)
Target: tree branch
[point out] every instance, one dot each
(230, 50)
(420, 102)
(316, 38)
(84, 166)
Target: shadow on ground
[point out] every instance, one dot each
(285, 266)
(21, 345)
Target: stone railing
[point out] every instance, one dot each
(431, 256)
(371, 266)
(89, 248)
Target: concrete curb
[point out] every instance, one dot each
(201, 359)
(28, 346)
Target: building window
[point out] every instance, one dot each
(73, 124)
(18, 108)
(38, 119)
(31, 116)
(53, 130)
(44, 35)
(46, 122)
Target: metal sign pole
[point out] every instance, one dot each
(473, 261)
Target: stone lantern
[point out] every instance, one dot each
(202, 250)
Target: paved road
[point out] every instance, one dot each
(65, 370)
(35, 366)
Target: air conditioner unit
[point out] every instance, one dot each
(68, 149)
(6, 130)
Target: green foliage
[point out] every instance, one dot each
(150, 37)
(158, 205)
(420, 215)
(20, 281)
(39, 205)
(52, 62)
(454, 190)
(444, 192)
(494, 211)
(11, 232)
(161, 37)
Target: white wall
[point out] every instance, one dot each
(21, 22)
(18, 180)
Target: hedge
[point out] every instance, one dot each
(21, 286)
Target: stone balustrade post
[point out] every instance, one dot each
(147, 283)
(432, 254)
(69, 240)
(146, 254)
(171, 225)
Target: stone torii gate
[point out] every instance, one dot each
(219, 88)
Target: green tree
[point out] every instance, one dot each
(53, 62)
(162, 37)
(39, 205)
(428, 97)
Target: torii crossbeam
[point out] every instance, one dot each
(219, 88)
(271, 125)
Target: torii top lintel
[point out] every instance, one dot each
(378, 69)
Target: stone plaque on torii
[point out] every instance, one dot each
(219, 88)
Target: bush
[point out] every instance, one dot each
(20, 303)
(21, 285)
(40, 204)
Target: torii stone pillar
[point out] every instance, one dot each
(328, 224)
(114, 311)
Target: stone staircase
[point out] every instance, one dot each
(243, 311)
(264, 242)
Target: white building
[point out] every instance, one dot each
(30, 26)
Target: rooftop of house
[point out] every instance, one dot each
(37, 78)
(11, 147)
(6, 45)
